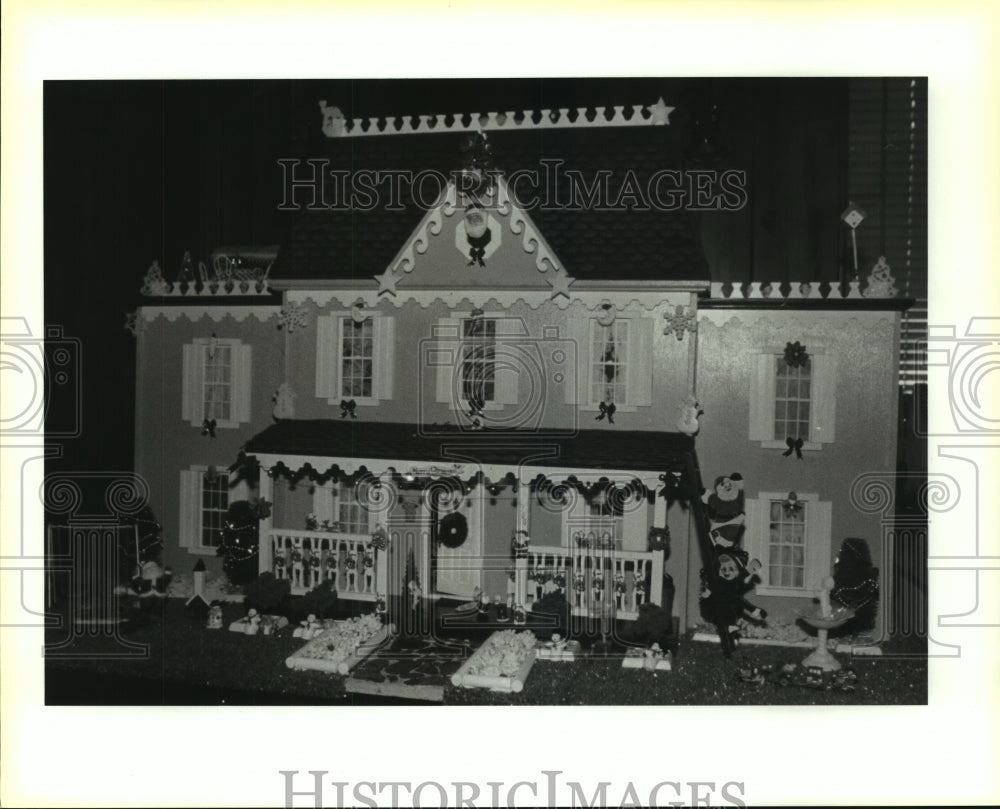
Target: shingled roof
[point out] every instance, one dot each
(584, 449)
(621, 244)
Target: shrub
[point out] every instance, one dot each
(268, 595)
(321, 601)
(654, 624)
(552, 605)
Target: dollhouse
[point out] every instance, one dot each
(491, 361)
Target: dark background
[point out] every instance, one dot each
(137, 171)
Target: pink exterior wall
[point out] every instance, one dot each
(165, 443)
(865, 343)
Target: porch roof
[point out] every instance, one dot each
(608, 449)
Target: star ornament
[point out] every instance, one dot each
(659, 113)
(560, 282)
(387, 282)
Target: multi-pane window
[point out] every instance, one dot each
(792, 400)
(214, 505)
(217, 381)
(786, 544)
(479, 340)
(356, 357)
(351, 516)
(609, 351)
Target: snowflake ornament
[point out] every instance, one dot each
(292, 316)
(679, 321)
(134, 323)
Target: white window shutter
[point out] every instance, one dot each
(444, 358)
(327, 343)
(640, 362)
(824, 399)
(762, 398)
(756, 538)
(576, 377)
(819, 526)
(506, 371)
(192, 384)
(241, 387)
(189, 522)
(384, 351)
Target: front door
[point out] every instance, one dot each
(459, 563)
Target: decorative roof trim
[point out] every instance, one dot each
(217, 314)
(805, 295)
(481, 298)
(525, 473)
(531, 239)
(336, 126)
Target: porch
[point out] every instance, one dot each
(530, 515)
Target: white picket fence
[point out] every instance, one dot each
(308, 558)
(595, 581)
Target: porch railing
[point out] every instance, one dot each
(595, 581)
(308, 558)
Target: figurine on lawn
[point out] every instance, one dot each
(729, 603)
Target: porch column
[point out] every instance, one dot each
(382, 569)
(660, 521)
(521, 564)
(659, 508)
(265, 491)
(656, 579)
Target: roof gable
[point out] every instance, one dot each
(467, 242)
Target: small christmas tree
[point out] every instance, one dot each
(240, 541)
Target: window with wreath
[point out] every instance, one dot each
(791, 535)
(793, 405)
(354, 357)
(215, 382)
(614, 362)
(205, 496)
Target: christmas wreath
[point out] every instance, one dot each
(796, 355)
(453, 530)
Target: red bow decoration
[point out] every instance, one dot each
(208, 427)
(347, 408)
(476, 405)
(477, 248)
(607, 410)
(794, 445)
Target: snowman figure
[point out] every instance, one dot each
(688, 421)
(284, 402)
